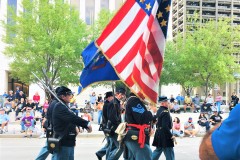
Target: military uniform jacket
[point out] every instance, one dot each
(104, 115)
(137, 113)
(50, 109)
(162, 137)
(114, 113)
(63, 117)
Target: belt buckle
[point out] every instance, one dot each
(134, 137)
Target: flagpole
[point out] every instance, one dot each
(113, 84)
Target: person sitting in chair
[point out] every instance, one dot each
(188, 103)
(215, 118)
(175, 108)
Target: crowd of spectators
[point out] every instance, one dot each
(26, 111)
(195, 104)
(17, 102)
(191, 127)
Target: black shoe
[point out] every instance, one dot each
(99, 158)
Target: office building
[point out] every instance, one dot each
(182, 10)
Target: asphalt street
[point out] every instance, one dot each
(28, 148)
(14, 147)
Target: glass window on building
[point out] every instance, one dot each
(13, 83)
(90, 7)
(75, 4)
(104, 4)
(12, 5)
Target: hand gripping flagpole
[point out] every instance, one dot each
(45, 86)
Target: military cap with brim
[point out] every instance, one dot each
(64, 91)
(120, 90)
(57, 90)
(162, 99)
(108, 94)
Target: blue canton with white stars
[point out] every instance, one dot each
(162, 12)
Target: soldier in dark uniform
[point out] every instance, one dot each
(113, 120)
(64, 123)
(138, 120)
(108, 99)
(163, 138)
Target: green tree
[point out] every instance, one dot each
(204, 56)
(177, 67)
(49, 39)
(103, 19)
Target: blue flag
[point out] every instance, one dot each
(97, 67)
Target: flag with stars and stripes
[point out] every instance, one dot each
(134, 43)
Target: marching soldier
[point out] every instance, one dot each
(163, 138)
(64, 123)
(102, 151)
(114, 119)
(138, 120)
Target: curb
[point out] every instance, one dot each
(81, 135)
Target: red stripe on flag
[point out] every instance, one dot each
(155, 56)
(122, 40)
(157, 74)
(115, 21)
(146, 69)
(150, 21)
(129, 81)
(145, 65)
(144, 88)
(129, 56)
(153, 49)
(141, 95)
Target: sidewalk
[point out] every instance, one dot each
(14, 127)
(14, 131)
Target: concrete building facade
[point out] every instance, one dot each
(207, 9)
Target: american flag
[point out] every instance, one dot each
(134, 43)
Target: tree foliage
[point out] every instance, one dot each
(103, 19)
(49, 39)
(203, 57)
